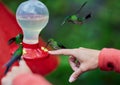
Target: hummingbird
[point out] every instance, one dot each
(54, 44)
(18, 39)
(75, 18)
(15, 57)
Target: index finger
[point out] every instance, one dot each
(63, 51)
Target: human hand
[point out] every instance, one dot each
(81, 60)
(16, 70)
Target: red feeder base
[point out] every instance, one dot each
(34, 57)
(38, 59)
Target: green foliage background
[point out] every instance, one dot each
(101, 31)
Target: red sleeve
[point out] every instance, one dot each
(109, 59)
(30, 79)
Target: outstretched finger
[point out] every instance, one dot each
(63, 51)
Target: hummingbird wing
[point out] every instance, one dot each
(78, 11)
(10, 41)
(19, 38)
(53, 44)
(61, 45)
(48, 42)
(47, 45)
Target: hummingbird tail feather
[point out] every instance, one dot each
(7, 69)
(88, 16)
(9, 64)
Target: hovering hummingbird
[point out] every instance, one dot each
(54, 44)
(18, 39)
(75, 18)
(15, 57)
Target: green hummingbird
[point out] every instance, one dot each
(75, 18)
(15, 57)
(54, 44)
(18, 39)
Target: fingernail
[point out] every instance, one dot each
(71, 79)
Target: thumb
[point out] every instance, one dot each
(76, 74)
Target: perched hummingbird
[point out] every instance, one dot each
(15, 57)
(54, 44)
(75, 18)
(18, 39)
